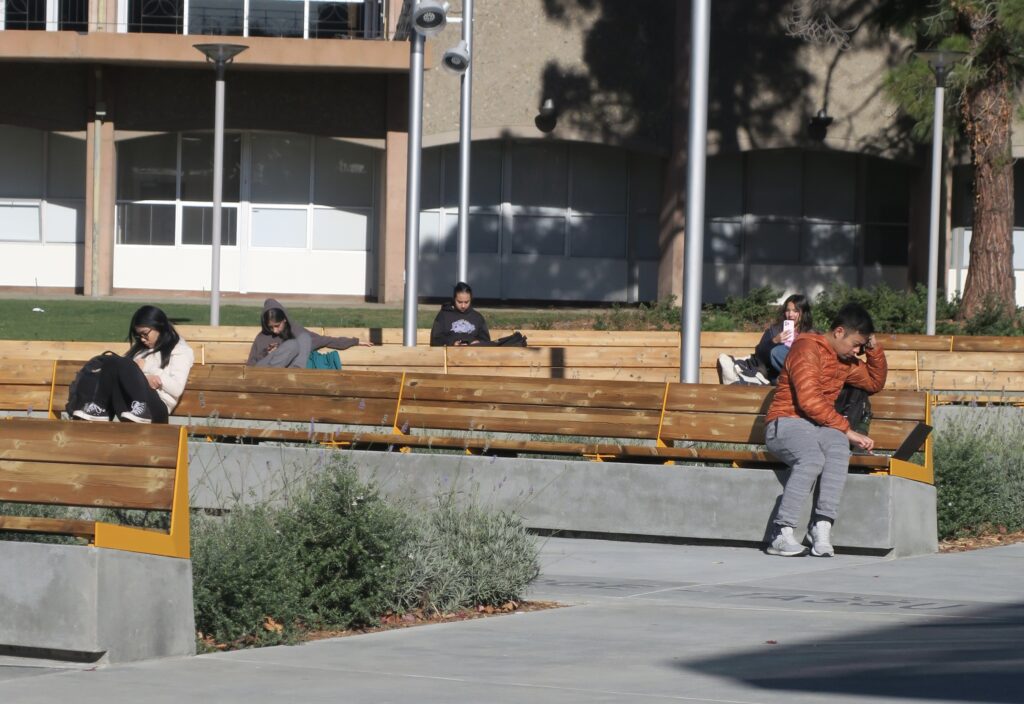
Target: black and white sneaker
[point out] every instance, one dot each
(139, 413)
(92, 411)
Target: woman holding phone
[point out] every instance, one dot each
(793, 319)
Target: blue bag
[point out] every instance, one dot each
(323, 360)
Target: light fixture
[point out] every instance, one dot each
(817, 126)
(456, 59)
(430, 17)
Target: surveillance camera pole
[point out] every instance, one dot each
(465, 141)
(412, 191)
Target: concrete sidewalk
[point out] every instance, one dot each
(646, 623)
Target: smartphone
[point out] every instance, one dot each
(790, 327)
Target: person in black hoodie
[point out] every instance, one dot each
(457, 323)
(282, 343)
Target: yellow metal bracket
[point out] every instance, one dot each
(658, 442)
(55, 415)
(597, 456)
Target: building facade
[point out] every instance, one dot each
(106, 152)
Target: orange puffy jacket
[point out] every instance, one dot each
(814, 376)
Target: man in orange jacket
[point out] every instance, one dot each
(805, 431)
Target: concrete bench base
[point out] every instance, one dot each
(83, 604)
(882, 514)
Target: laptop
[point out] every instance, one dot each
(913, 442)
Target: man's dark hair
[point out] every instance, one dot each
(853, 317)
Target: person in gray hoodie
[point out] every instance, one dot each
(283, 343)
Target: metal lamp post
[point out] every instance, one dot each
(696, 169)
(940, 62)
(220, 55)
(465, 137)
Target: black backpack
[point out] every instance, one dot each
(516, 339)
(90, 384)
(855, 405)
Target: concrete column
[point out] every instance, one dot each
(391, 242)
(107, 180)
(673, 202)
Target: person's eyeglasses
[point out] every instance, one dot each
(143, 333)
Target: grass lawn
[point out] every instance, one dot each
(106, 320)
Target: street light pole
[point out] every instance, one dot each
(697, 155)
(220, 55)
(465, 137)
(940, 62)
(412, 190)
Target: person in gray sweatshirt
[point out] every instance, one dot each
(284, 343)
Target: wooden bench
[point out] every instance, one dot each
(97, 465)
(607, 420)
(127, 595)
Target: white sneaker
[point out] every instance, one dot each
(727, 369)
(820, 536)
(785, 544)
(139, 413)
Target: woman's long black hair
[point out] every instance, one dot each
(155, 319)
(276, 315)
(802, 304)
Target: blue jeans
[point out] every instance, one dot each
(778, 355)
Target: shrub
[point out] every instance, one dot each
(893, 311)
(755, 309)
(348, 543)
(466, 556)
(979, 472)
(993, 319)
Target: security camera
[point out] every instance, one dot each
(430, 17)
(456, 59)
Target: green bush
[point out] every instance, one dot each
(466, 556)
(337, 555)
(979, 472)
(755, 310)
(660, 315)
(993, 319)
(901, 312)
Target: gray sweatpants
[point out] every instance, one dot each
(290, 353)
(811, 451)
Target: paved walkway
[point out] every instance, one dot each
(647, 623)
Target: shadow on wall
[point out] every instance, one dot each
(972, 657)
(626, 91)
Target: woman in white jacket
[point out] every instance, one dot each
(146, 383)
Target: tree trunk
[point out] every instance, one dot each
(988, 112)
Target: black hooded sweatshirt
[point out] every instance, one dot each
(451, 326)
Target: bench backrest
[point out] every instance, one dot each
(97, 465)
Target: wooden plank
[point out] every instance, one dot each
(985, 382)
(648, 374)
(26, 371)
(296, 407)
(16, 397)
(548, 392)
(913, 342)
(580, 356)
(985, 343)
(972, 361)
(74, 484)
(59, 526)
(384, 356)
(57, 349)
(512, 418)
(749, 429)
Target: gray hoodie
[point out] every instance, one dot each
(307, 341)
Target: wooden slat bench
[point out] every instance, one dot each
(97, 465)
(606, 420)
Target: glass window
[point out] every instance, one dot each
(335, 20)
(341, 230)
(278, 227)
(597, 237)
(73, 15)
(723, 240)
(160, 16)
(275, 18)
(65, 171)
(830, 186)
(723, 196)
(885, 245)
(197, 225)
(25, 14)
(774, 182)
(197, 167)
(773, 243)
(280, 168)
(21, 168)
(145, 224)
(344, 174)
(538, 235)
(484, 175)
(539, 175)
(430, 229)
(888, 192)
(483, 233)
(218, 17)
(65, 221)
(645, 177)
(147, 168)
(644, 235)
(599, 179)
(829, 244)
(430, 170)
(19, 222)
